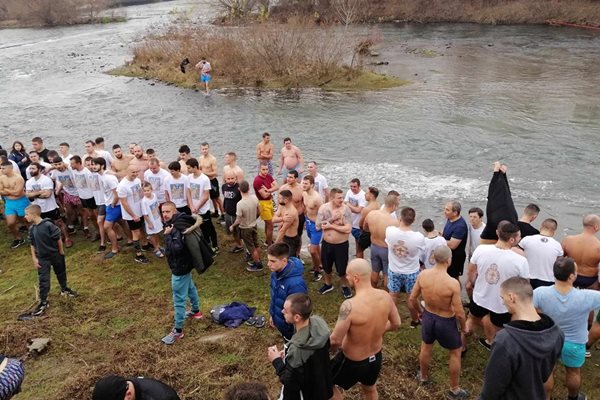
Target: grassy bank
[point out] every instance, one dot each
(423, 11)
(124, 308)
(298, 54)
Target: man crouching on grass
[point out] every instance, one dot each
(179, 259)
(46, 252)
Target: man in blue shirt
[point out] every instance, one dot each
(455, 233)
(569, 308)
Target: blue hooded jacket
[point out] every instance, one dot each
(283, 283)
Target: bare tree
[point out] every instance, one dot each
(237, 8)
(349, 11)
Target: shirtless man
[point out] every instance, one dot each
(291, 158)
(139, 161)
(288, 216)
(585, 250)
(231, 165)
(12, 190)
(208, 165)
(130, 147)
(312, 201)
(264, 152)
(335, 220)
(184, 155)
(120, 161)
(361, 325)
(376, 223)
(364, 239)
(298, 198)
(444, 309)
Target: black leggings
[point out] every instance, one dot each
(208, 229)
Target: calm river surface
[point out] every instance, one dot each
(528, 96)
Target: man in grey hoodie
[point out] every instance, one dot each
(304, 371)
(525, 351)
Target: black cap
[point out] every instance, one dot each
(112, 387)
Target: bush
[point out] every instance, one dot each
(54, 12)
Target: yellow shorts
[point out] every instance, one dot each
(266, 209)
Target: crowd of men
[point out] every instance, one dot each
(534, 297)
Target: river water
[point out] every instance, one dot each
(527, 95)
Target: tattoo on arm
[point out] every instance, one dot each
(345, 310)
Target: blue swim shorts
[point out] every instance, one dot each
(356, 232)
(314, 235)
(16, 206)
(113, 214)
(397, 282)
(573, 354)
(205, 78)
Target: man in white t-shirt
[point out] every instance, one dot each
(432, 241)
(356, 201)
(541, 252)
(39, 189)
(176, 189)
(62, 175)
(199, 194)
(93, 152)
(321, 185)
(405, 247)
(491, 265)
(34, 157)
(157, 177)
(476, 226)
(130, 196)
(81, 179)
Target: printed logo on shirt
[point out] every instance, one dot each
(195, 191)
(136, 193)
(36, 187)
(66, 181)
(544, 240)
(81, 182)
(400, 249)
(94, 183)
(492, 275)
(177, 191)
(154, 210)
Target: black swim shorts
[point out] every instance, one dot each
(347, 373)
(335, 254)
(497, 319)
(214, 188)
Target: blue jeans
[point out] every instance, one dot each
(183, 287)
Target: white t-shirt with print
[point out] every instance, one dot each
(65, 179)
(320, 185)
(158, 182)
(151, 208)
(541, 253)
(81, 180)
(132, 191)
(197, 187)
(430, 245)
(404, 250)
(177, 189)
(96, 187)
(355, 200)
(42, 183)
(109, 183)
(494, 266)
(474, 238)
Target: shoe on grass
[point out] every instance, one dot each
(193, 314)
(110, 255)
(484, 343)
(325, 289)
(68, 292)
(141, 259)
(347, 292)
(40, 309)
(172, 337)
(460, 394)
(158, 253)
(255, 267)
(16, 243)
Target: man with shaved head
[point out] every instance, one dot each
(585, 250)
(358, 333)
(139, 161)
(443, 309)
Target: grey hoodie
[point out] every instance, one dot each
(523, 357)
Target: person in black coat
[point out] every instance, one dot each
(500, 204)
(115, 387)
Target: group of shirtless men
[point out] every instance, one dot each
(427, 267)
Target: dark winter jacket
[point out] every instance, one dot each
(151, 389)
(178, 255)
(283, 283)
(306, 366)
(499, 207)
(522, 359)
(20, 157)
(44, 238)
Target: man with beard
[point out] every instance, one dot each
(140, 161)
(120, 161)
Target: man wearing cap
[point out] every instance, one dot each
(115, 387)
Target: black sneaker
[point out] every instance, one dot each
(68, 292)
(317, 276)
(236, 250)
(215, 215)
(325, 289)
(40, 309)
(215, 250)
(484, 343)
(255, 267)
(460, 394)
(414, 324)
(141, 259)
(347, 292)
(147, 247)
(101, 249)
(16, 243)
(71, 230)
(23, 228)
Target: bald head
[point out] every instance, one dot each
(591, 221)
(360, 267)
(442, 254)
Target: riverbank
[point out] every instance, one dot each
(297, 54)
(585, 12)
(123, 309)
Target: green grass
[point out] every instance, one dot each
(124, 308)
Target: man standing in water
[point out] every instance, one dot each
(205, 69)
(264, 152)
(291, 159)
(361, 324)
